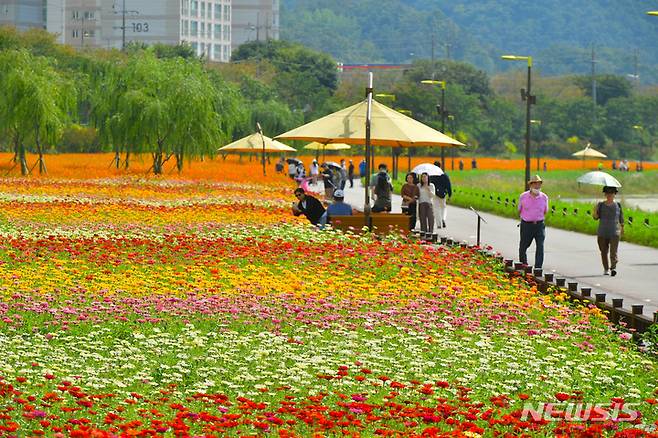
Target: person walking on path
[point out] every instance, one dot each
(362, 169)
(533, 206)
(327, 180)
(410, 194)
(443, 189)
(343, 175)
(611, 226)
(315, 171)
(426, 193)
(309, 206)
(350, 174)
(382, 190)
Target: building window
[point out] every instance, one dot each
(90, 15)
(75, 15)
(186, 27)
(218, 31)
(225, 33)
(218, 11)
(194, 29)
(217, 52)
(202, 34)
(185, 7)
(203, 9)
(75, 34)
(195, 8)
(227, 13)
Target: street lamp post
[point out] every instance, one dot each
(536, 122)
(640, 130)
(441, 110)
(526, 95)
(454, 135)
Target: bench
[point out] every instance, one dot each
(354, 223)
(380, 223)
(386, 223)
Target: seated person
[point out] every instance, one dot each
(309, 207)
(339, 208)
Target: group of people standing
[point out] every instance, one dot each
(424, 198)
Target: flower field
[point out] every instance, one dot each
(173, 307)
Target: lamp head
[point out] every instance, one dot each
(518, 58)
(442, 84)
(386, 95)
(654, 13)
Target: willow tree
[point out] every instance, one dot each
(108, 84)
(50, 99)
(35, 101)
(14, 69)
(193, 101)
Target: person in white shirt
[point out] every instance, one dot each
(425, 201)
(315, 171)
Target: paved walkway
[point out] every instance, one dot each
(574, 256)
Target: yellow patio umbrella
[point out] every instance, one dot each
(383, 126)
(315, 146)
(589, 152)
(257, 143)
(388, 128)
(254, 143)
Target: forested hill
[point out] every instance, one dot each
(558, 33)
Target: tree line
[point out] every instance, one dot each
(169, 103)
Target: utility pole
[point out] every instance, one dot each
(593, 85)
(433, 44)
(448, 45)
(636, 72)
(123, 13)
(123, 26)
(82, 31)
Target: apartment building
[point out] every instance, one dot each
(211, 27)
(24, 14)
(75, 22)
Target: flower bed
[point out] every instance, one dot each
(181, 308)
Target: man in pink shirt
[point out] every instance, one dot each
(533, 206)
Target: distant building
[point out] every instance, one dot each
(254, 20)
(204, 24)
(24, 14)
(76, 22)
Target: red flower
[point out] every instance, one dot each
(562, 396)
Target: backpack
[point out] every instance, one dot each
(382, 186)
